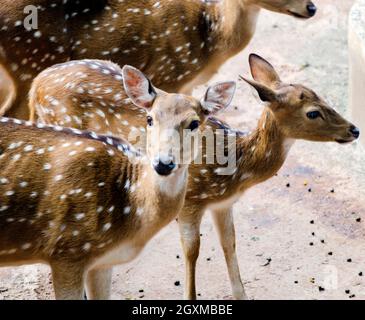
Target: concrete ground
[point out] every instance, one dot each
(291, 243)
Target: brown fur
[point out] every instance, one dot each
(259, 155)
(179, 44)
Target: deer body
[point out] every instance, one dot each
(82, 202)
(178, 44)
(71, 105)
(259, 155)
(95, 201)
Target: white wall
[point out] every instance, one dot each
(357, 65)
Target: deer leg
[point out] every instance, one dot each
(8, 91)
(98, 284)
(189, 224)
(32, 113)
(224, 223)
(68, 281)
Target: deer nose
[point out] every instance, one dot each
(164, 169)
(312, 9)
(164, 164)
(355, 131)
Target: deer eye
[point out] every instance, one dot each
(149, 121)
(194, 125)
(313, 115)
(302, 96)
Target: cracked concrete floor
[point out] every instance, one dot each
(308, 238)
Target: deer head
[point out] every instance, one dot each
(299, 111)
(170, 116)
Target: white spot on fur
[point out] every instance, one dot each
(26, 246)
(127, 210)
(87, 246)
(107, 226)
(80, 216)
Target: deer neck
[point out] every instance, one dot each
(153, 202)
(237, 23)
(258, 157)
(265, 150)
(164, 196)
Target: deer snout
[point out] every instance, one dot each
(352, 134)
(305, 11)
(164, 166)
(312, 9)
(355, 132)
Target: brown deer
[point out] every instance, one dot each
(292, 112)
(82, 202)
(178, 44)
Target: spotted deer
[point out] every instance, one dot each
(292, 112)
(178, 44)
(82, 202)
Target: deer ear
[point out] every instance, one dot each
(138, 87)
(218, 97)
(265, 93)
(263, 72)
